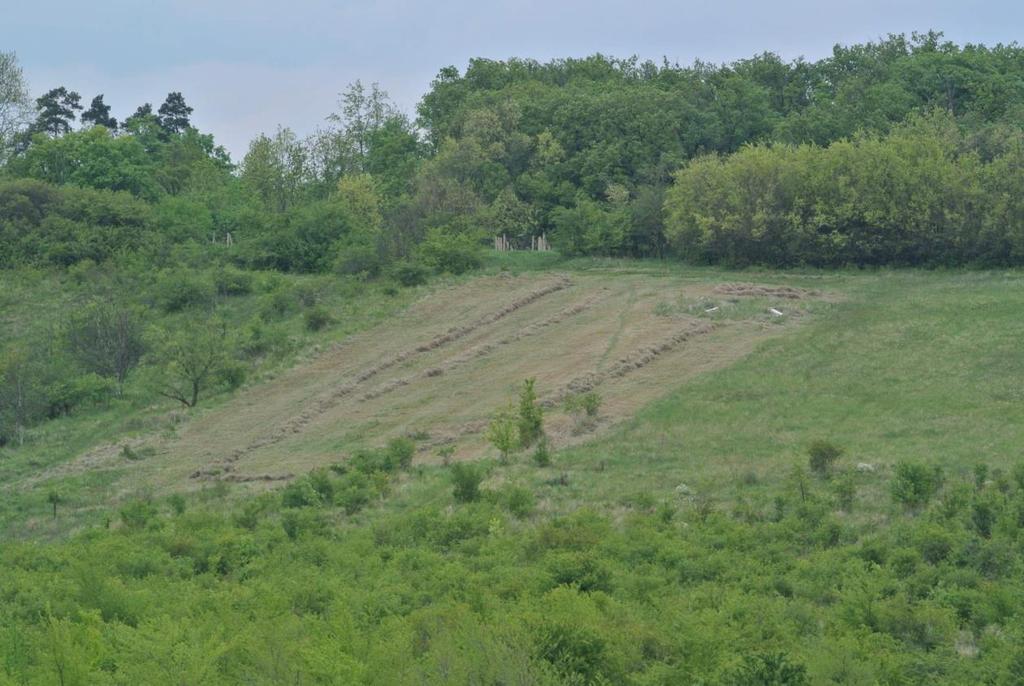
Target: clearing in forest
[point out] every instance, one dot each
(438, 372)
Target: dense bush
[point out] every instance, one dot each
(43, 224)
(914, 484)
(917, 196)
(466, 480)
(491, 590)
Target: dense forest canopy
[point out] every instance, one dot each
(585, 150)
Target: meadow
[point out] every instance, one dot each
(684, 541)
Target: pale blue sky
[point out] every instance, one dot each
(249, 65)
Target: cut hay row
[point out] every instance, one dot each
(486, 348)
(752, 290)
(321, 405)
(636, 359)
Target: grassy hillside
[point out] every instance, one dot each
(685, 541)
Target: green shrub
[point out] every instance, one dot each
(232, 374)
(913, 484)
(300, 493)
(308, 294)
(581, 569)
(466, 479)
(822, 455)
(519, 501)
(984, 512)
(584, 409)
(320, 481)
(400, 452)
(934, 542)
(503, 433)
(410, 274)
(542, 452)
(177, 290)
(296, 523)
(531, 415)
(231, 281)
(278, 304)
(138, 513)
(354, 492)
(845, 489)
(177, 503)
(768, 669)
(87, 390)
(450, 252)
(317, 319)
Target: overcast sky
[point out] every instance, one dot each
(249, 65)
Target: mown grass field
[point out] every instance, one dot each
(889, 365)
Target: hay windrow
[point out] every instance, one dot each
(486, 348)
(752, 290)
(322, 404)
(637, 359)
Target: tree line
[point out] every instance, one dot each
(585, 150)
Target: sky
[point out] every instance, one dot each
(247, 66)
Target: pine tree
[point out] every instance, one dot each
(57, 111)
(98, 114)
(174, 114)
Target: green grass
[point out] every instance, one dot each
(35, 302)
(902, 365)
(910, 366)
(617, 575)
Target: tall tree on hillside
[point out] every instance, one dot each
(342, 149)
(106, 339)
(190, 360)
(276, 169)
(98, 114)
(144, 125)
(142, 112)
(56, 111)
(174, 114)
(15, 105)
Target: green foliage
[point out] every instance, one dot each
(448, 252)
(138, 513)
(410, 274)
(42, 224)
(530, 421)
(769, 669)
(106, 339)
(518, 500)
(584, 408)
(913, 484)
(400, 452)
(845, 489)
(317, 319)
(914, 196)
(177, 289)
(466, 479)
(503, 432)
(231, 281)
(192, 359)
(542, 452)
(822, 456)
